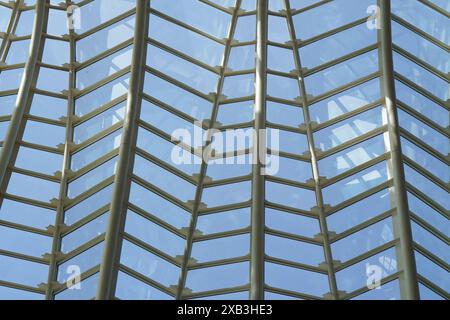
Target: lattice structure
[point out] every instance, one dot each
(93, 93)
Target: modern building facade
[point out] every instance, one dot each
(224, 149)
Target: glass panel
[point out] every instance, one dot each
(23, 242)
(425, 160)
(25, 214)
(348, 129)
(129, 288)
(358, 212)
(88, 206)
(425, 133)
(91, 153)
(182, 70)
(32, 188)
(222, 248)
(15, 294)
(290, 196)
(242, 58)
(293, 250)
(388, 291)
(424, 18)
(149, 265)
(420, 47)
(104, 39)
(197, 14)
(429, 214)
(22, 271)
(352, 157)
(421, 104)
(239, 86)
(164, 180)
(87, 291)
(329, 16)
(55, 52)
(428, 294)
(227, 194)
(246, 28)
(433, 244)
(432, 272)
(104, 68)
(154, 235)
(362, 241)
(92, 178)
(176, 97)
(224, 221)
(39, 161)
(292, 223)
(356, 184)
(337, 45)
(282, 87)
(84, 261)
(284, 114)
(98, 12)
(52, 80)
(342, 73)
(44, 134)
(186, 41)
(158, 206)
(85, 233)
(99, 123)
(48, 107)
(102, 95)
(368, 272)
(18, 52)
(226, 276)
(298, 280)
(436, 193)
(421, 77)
(346, 101)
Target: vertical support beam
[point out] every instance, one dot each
(59, 220)
(119, 202)
(334, 294)
(204, 165)
(13, 21)
(408, 278)
(258, 178)
(24, 96)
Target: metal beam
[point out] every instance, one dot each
(24, 96)
(258, 178)
(13, 21)
(202, 174)
(402, 224)
(314, 161)
(119, 203)
(59, 220)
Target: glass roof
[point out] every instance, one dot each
(127, 139)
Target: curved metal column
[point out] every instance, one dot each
(13, 20)
(334, 294)
(24, 96)
(119, 202)
(204, 165)
(402, 224)
(258, 179)
(56, 244)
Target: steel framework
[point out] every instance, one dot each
(119, 207)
